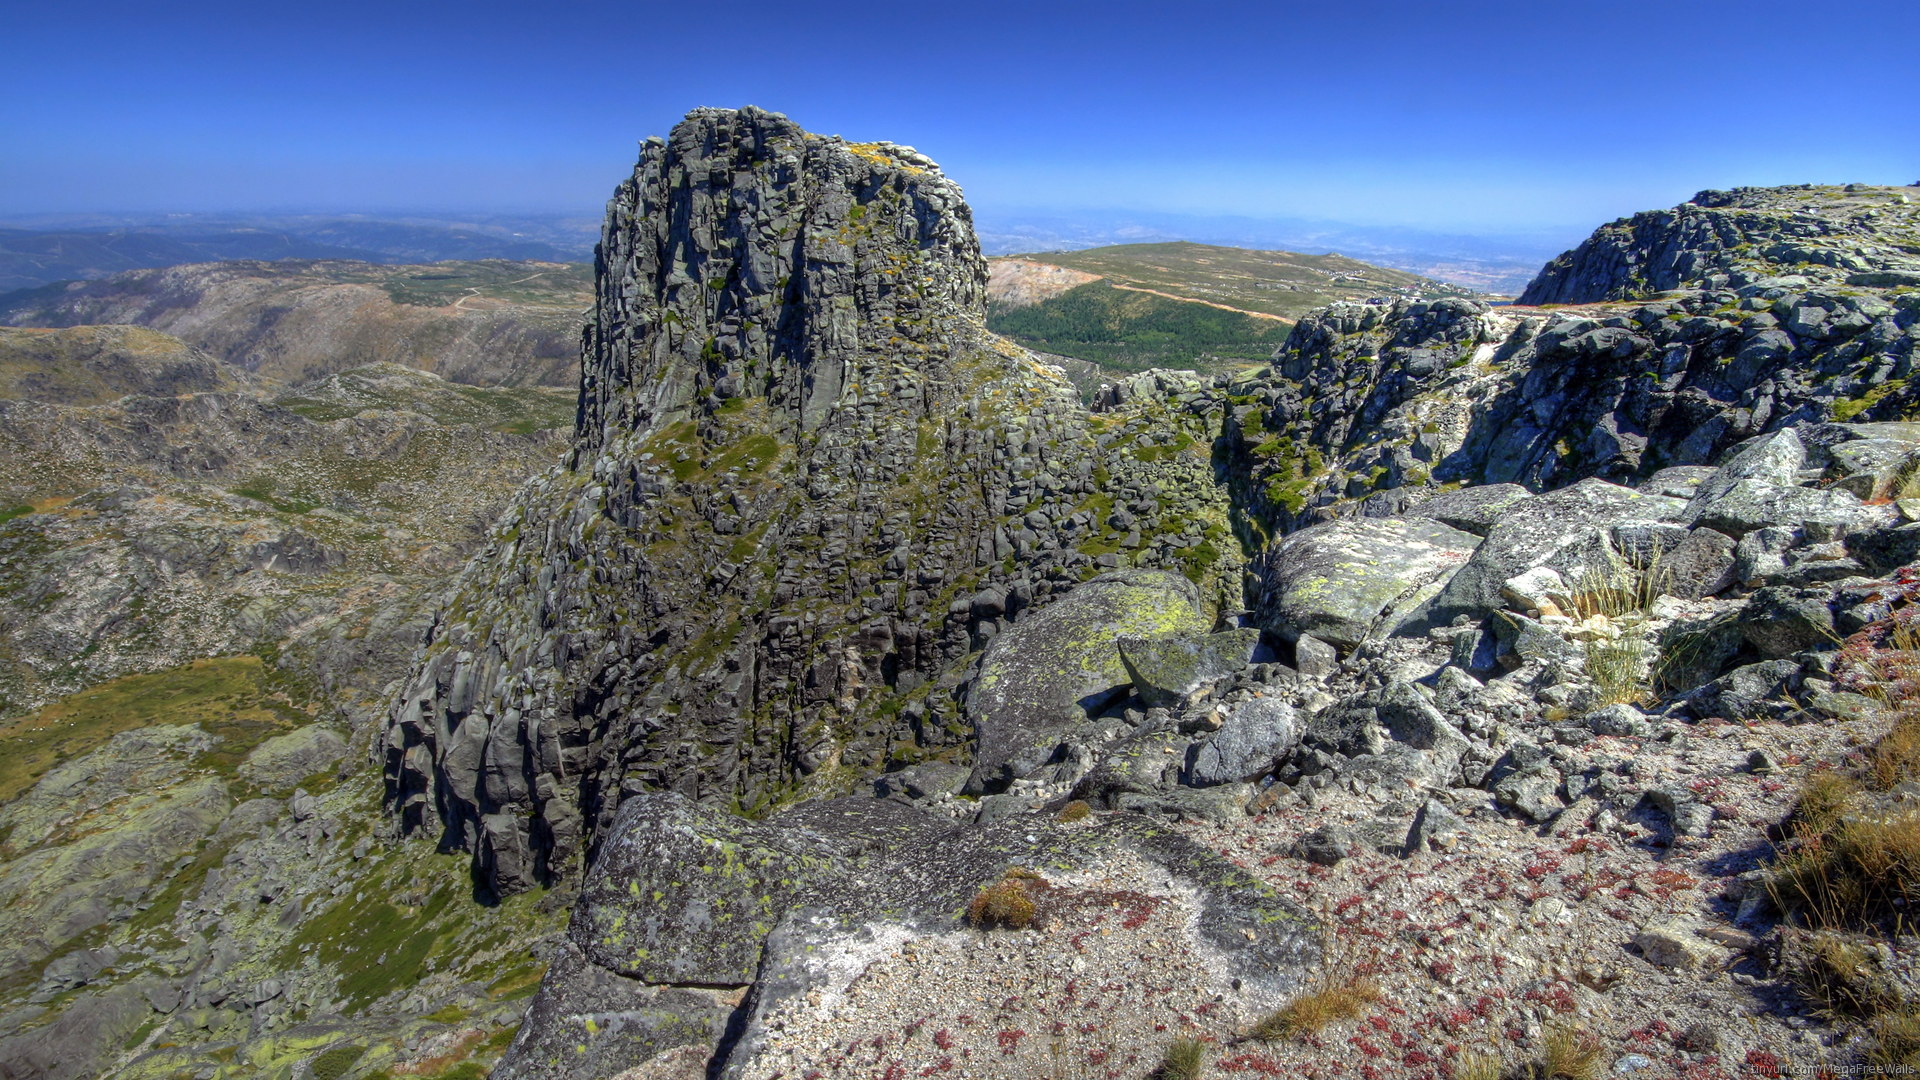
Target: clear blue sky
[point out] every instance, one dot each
(1467, 116)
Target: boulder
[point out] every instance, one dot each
(1167, 669)
(1676, 943)
(1256, 734)
(1568, 530)
(1472, 509)
(1436, 828)
(1753, 692)
(1314, 658)
(1346, 581)
(1677, 481)
(1753, 504)
(795, 904)
(588, 1021)
(1780, 621)
(1775, 458)
(1060, 664)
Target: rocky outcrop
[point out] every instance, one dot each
(1856, 235)
(805, 484)
(1367, 401)
(683, 899)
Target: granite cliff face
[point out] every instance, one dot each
(1684, 334)
(805, 483)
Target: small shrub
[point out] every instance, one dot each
(1007, 902)
(1182, 1061)
(1310, 1012)
(1077, 810)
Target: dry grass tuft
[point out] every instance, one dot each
(1896, 1036)
(1312, 1011)
(1838, 975)
(1570, 1054)
(1621, 586)
(1007, 902)
(1859, 871)
(1476, 1065)
(1619, 669)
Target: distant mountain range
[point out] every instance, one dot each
(41, 250)
(1495, 263)
(37, 250)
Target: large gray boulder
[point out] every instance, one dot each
(1472, 509)
(1755, 504)
(1256, 734)
(1568, 531)
(1058, 665)
(1345, 581)
(588, 1021)
(276, 765)
(685, 900)
(1166, 669)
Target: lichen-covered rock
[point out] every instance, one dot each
(688, 895)
(1052, 669)
(1568, 530)
(1255, 735)
(1346, 581)
(590, 1021)
(805, 485)
(281, 762)
(1164, 670)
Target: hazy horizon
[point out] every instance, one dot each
(1490, 118)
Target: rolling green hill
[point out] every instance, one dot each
(1180, 304)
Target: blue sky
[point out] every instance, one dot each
(1466, 116)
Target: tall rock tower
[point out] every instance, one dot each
(799, 461)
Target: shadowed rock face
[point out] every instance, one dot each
(800, 466)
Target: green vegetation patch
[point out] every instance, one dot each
(1134, 331)
(230, 697)
(519, 410)
(444, 284)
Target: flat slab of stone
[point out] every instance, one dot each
(1346, 581)
(1553, 530)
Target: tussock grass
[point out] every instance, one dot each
(1851, 864)
(1618, 670)
(1182, 1061)
(1619, 587)
(1007, 902)
(1569, 1054)
(1476, 1065)
(1312, 1011)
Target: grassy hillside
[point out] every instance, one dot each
(1281, 283)
(1177, 305)
(1133, 331)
